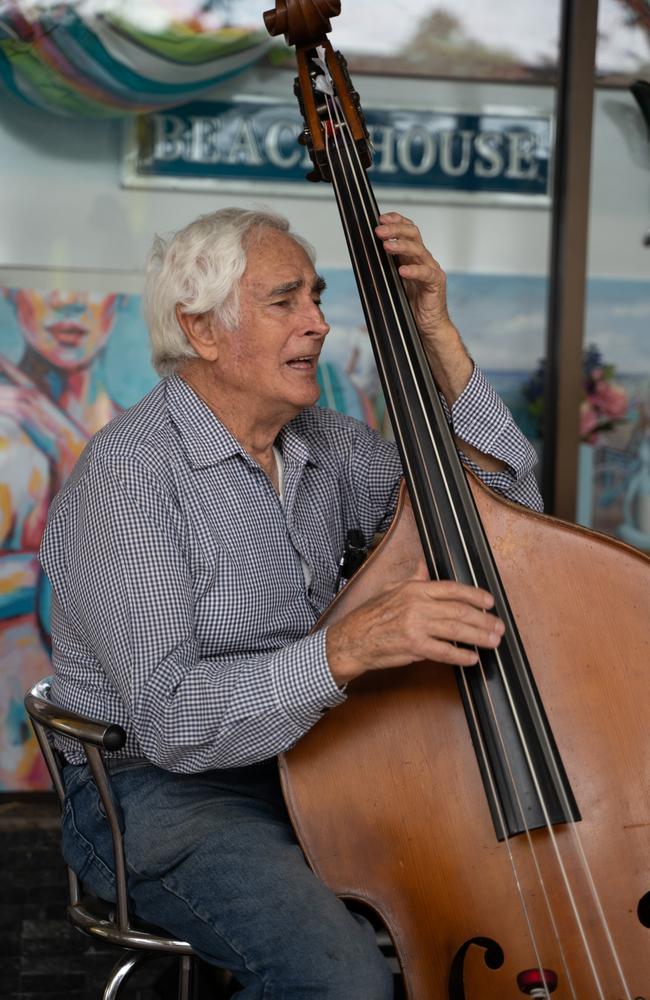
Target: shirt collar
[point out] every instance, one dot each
(294, 447)
(205, 438)
(207, 441)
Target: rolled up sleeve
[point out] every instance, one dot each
(481, 418)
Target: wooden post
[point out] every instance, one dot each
(568, 259)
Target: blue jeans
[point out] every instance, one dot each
(212, 858)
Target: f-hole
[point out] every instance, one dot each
(643, 910)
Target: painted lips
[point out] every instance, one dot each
(67, 334)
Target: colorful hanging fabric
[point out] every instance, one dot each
(101, 67)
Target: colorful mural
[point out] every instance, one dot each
(54, 395)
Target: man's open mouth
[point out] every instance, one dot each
(306, 363)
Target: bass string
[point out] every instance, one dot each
(532, 770)
(525, 910)
(517, 881)
(434, 442)
(583, 860)
(577, 841)
(392, 400)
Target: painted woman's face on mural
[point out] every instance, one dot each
(68, 329)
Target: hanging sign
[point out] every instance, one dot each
(252, 145)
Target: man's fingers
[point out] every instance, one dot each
(445, 652)
(469, 633)
(450, 590)
(392, 217)
(406, 240)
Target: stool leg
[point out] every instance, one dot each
(186, 977)
(120, 973)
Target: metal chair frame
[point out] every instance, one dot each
(87, 913)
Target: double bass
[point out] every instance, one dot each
(496, 818)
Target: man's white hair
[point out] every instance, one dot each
(199, 269)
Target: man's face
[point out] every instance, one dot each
(66, 328)
(270, 361)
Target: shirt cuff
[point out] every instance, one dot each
(479, 413)
(481, 418)
(303, 683)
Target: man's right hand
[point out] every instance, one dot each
(417, 619)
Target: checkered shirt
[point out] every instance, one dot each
(180, 607)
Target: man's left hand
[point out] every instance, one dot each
(424, 280)
(425, 284)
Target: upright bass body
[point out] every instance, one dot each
(389, 806)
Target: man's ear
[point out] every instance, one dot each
(201, 331)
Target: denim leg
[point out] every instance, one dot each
(212, 858)
(86, 840)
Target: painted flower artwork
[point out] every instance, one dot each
(605, 404)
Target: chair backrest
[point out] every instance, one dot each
(94, 736)
(115, 927)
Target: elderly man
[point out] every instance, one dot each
(191, 552)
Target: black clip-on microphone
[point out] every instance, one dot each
(354, 554)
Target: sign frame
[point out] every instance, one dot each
(132, 177)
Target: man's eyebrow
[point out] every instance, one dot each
(319, 285)
(288, 286)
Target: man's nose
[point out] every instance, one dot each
(316, 322)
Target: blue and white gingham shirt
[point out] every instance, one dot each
(180, 608)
